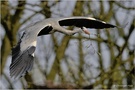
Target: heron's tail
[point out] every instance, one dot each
(22, 62)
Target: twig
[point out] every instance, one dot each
(124, 7)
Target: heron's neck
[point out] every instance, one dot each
(69, 32)
(34, 43)
(72, 32)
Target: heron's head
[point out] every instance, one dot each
(85, 30)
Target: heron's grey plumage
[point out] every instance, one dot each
(22, 59)
(22, 63)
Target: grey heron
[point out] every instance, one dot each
(22, 53)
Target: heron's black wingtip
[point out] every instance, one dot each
(22, 62)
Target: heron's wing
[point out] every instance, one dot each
(84, 22)
(46, 30)
(22, 59)
(22, 62)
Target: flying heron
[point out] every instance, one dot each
(23, 52)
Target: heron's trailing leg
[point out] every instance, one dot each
(90, 44)
(85, 30)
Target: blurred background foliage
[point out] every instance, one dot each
(61, 61)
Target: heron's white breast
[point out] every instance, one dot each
(34, 43)
(24, 45)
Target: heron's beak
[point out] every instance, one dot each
(85, 30)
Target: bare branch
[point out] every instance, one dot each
(124, 7)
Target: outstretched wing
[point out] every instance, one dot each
(22, 62)
(22, 59)
(85, 22)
